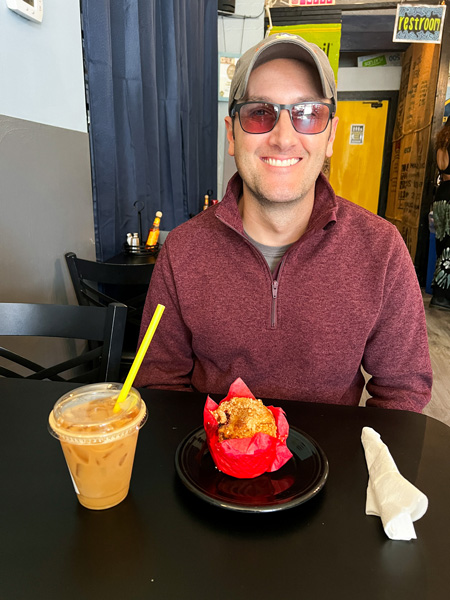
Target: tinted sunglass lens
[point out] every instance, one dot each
(310, 118)
(257, 117)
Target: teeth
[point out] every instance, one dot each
(276, 162)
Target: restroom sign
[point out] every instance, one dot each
(420, 24)
(356, 135)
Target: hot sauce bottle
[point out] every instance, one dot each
(153, 234)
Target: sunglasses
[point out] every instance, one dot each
(306, 117)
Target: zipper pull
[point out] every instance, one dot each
(274, 289)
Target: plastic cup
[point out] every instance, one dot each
(98, 443)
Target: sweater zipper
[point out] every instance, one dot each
(273, 321)
(274, 284)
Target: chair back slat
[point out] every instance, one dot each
(99, 284)
(20, 360)
(102, 328)
(89, 324)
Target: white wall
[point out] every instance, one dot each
(41, 71)
(45, 173)
(235, 35)
(369, 79)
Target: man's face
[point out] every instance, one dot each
(258, 156)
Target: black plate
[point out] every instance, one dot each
(301, 478)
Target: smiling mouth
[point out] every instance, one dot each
(276, 162)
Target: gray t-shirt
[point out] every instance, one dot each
(272, 254)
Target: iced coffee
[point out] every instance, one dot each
(98, 443)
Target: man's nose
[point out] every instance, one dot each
(284, 134)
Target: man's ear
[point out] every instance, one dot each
(334, 123)
(230, 135)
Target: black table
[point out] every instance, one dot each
(163, 542)
(127, 258)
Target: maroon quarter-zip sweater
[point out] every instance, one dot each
(344, 295)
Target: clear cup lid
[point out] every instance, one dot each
(85, 415)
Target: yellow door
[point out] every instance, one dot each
(355, 167)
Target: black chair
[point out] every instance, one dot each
(102, 327)
(98, 284)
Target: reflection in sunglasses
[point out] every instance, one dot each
(306, 117)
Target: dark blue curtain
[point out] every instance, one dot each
(151, 68)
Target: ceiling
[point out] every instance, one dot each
(364, 30)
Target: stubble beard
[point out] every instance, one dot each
(277, 202)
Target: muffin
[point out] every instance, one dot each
(242, 418)
(244, 437)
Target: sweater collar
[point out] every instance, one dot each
(324, 211)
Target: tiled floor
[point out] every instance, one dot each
(438, 324)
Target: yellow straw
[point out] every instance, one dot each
(139, 356)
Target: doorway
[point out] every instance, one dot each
(359, 167)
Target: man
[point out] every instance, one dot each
(282, 283)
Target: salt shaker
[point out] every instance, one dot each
(135, 241)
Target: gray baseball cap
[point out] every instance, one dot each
(281, 45)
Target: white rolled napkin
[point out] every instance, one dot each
(389, 495)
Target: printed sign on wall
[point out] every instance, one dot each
(227, 65)
(421, 24)
(356, 135)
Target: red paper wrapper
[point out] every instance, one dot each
(246, 458)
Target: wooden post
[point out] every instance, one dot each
(421, 259)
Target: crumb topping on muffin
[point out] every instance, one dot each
(242, 418)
